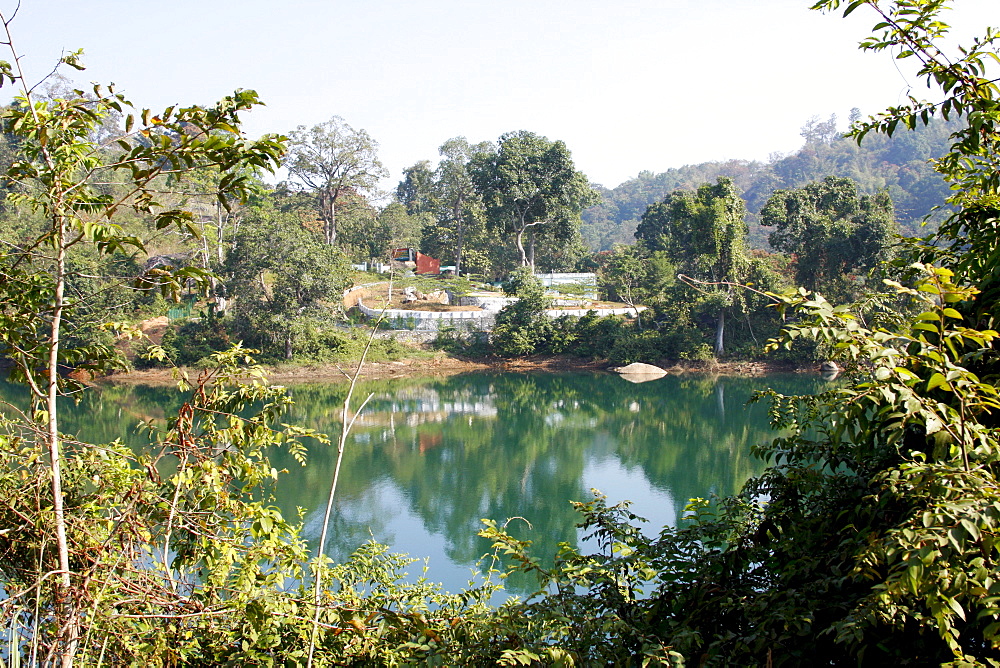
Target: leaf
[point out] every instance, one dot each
(970, 527)
(936, 381)
(956, 606)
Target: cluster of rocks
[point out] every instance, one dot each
(411, 294)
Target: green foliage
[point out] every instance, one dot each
(191, 341)
(331, 160)
(522, 328)
(530, 185)
(588, 608)
(836, 236)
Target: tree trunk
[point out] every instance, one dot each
(220, 220)
(206, 252)
(288, 344)
(520, 246)
(66, 616)
(457, 213)
(520, 243)
(720, 332)
(328, 213)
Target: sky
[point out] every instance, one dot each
(636, 85)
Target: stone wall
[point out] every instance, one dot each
(468, 321)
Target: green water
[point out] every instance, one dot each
(428, 459)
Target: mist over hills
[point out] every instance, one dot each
(899, 164)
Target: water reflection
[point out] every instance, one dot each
(429, 458)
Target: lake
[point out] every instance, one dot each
(429, 458)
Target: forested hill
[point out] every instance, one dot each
(898, 164)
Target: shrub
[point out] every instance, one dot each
(637, 346)
(195, 339)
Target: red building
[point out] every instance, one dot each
(413, 259)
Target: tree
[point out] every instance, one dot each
(531, 182)
(417, 189)
(460, 205)
(61, 174)
(329, 159)
(832, 231)
(703, 233)
(635, 276)
(282, 275)
(816, 131)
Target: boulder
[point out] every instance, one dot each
(829, 370)
(638, 372)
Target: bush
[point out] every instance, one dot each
(194, 340)
(637, 346)
(596, 336)
(513, 341)
(522, 328)
(564, 336)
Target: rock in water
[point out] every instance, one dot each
(640, 373)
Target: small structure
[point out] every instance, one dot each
(415, 261)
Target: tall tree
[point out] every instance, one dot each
(329, 159)
(531, 182)
(417, 191)
(704, 234)
(832, 231)
(460, 204)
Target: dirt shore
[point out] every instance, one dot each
(444, 365)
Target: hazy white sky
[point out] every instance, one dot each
(629, 86)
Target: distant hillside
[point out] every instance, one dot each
(898, 164)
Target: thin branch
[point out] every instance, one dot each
(344, 431)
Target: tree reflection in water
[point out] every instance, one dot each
(429, 458)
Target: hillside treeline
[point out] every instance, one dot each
(898, 165)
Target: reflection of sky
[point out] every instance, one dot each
(604, 472)
(384, 510)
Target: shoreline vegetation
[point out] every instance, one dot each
(442, 364)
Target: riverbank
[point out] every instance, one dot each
(442, 364)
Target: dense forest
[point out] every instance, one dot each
(870, 539)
